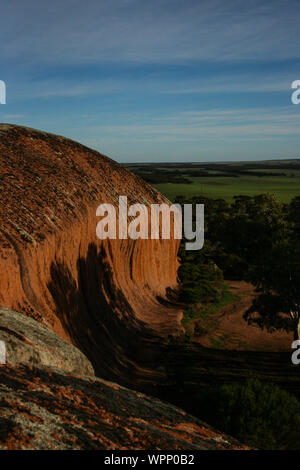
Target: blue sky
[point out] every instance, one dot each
(159, 80)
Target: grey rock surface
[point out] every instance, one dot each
(27, 341)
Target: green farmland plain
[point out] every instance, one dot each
(284, 188)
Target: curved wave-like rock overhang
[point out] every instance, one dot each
(104, 296)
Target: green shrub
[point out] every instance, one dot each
(200, 283)
(259, 414)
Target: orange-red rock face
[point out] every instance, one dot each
(100, 295)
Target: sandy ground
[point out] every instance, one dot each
(228, 330)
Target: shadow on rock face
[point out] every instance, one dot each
(98, 318)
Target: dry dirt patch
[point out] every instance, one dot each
(229, 330)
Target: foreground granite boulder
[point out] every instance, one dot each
(50, 400)
(28, 341)
(48, 409)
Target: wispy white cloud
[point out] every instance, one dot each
(212, 125)
(216, 134)
(238, 83)
(73, 32)
(77, 87)
(133, 55)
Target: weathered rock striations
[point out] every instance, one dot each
(86, 305)
(99, 295)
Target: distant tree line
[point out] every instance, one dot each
(156, 175)
(159, 176)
